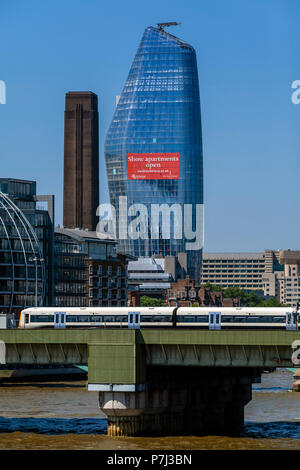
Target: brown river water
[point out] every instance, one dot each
(64, 415)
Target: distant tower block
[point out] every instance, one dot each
(81, 160)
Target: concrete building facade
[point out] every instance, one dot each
(276, 273)
(285, 284)
(244, 270)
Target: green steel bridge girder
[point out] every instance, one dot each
(120, 356)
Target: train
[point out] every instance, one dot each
(212, 318)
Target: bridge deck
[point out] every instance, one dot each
(121, 355)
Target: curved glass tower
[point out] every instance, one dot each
(22, 267)
(153, 148)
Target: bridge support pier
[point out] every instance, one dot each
(177, 401)
(296, 383)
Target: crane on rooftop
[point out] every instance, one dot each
(164, 25)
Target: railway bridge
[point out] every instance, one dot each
(161, 381)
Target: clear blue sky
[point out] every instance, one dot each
(248, 56)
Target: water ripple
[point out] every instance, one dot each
(272, 430)
(53, 426)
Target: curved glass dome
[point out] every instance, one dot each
(22, 269)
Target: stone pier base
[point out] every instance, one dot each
(178, 402)
(296, 383)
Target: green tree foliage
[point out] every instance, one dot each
(250, 299)
(152, 302)
(247, 299)
(213, 287)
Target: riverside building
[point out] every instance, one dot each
(26, 246)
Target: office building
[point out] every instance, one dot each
(244, 270)
(26, 246)
(284, 285)
(153, 276)
(153, 148)
(88, 271)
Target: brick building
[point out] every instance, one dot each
(88, 271)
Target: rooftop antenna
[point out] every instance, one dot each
(161, 26)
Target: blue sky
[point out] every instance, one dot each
(248, 57)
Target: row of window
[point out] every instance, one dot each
(158, 318)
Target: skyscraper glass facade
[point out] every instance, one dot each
(26, 246)
(158, 117)
(22, 271)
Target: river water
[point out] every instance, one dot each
(64, 415)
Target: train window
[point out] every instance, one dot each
(267, 319)
(83, 318)
(227, 319)
(97, 318)
(147, 318)
(26, 317)
(253, 319)
(189, 318)
(202, 318)
(72, 318)
(42, 318)
(109, 318)
(161, 318)
(121, 318)
(131, 318)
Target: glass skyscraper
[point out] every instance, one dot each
(153, 148)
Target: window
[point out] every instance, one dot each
(83, 318)
(189, 318)
(108, 318)
(72, 318)
(42, 318)
(97, 318)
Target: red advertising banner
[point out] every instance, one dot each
(153, 166)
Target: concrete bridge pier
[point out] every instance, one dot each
(296, 383)
(178, 401)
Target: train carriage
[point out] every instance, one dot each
(101, 317)
(212, 318)
(237, 318)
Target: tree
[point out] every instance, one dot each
(152, 302)
(213, 287)
(251, 299)
(234, 293)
